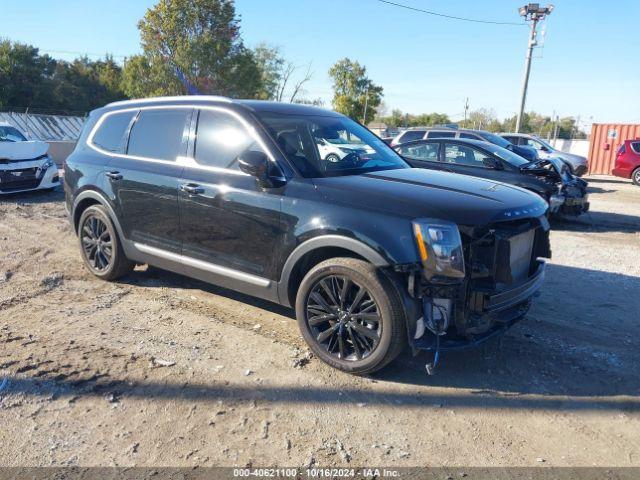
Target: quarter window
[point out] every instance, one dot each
(636, 147)
(111, 132)
(463, 155)
(159, 134)
(221, 140)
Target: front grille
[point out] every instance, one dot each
(521, 247)
(22, 179)
(504, 254)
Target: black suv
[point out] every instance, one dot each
(372, 253)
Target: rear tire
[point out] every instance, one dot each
(351, 315)
(100, 245)
(635, 176)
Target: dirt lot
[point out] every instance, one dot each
(84, 378)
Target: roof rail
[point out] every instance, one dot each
(216, 98)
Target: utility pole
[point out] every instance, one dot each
(366, 104)
(466, 109)
(532, 13)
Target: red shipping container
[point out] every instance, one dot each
(604, 141)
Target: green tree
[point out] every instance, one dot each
(202, 39)
(352, 89)
(484, 119)
(25, 76)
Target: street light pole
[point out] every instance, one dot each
(533, 13)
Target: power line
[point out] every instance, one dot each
(452, 17)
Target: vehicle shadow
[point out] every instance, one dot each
(34, 197)
(607, 180)
(581, 338)
(597, 222)
(154, 277)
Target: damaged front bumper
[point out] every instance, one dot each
(572, 199)
(499, 311)
(505, 269)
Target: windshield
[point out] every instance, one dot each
(311, 143)
(506, 155)
(495, 139)
(539, 140)
(10, 134)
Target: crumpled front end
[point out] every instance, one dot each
(505, 269)
(25, 175)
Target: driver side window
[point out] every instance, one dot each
(466, 156)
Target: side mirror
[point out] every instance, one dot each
(321, 142)
(258, 165)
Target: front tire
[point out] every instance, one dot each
(351, 315)
(332, 157)
(635, 176)
(100, 246)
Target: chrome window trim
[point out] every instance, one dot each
(202, 265)
(184, 161)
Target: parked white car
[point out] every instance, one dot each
(335, 149)
(24, 164)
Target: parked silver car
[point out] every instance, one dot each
(577, 163)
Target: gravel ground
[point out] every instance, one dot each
(159, 369)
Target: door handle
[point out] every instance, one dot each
(114, 175)
(192, 188)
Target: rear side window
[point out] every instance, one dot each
(423, 151)
(441, 134)
(636, 147)
(221, 139)
(411, 135)
(160, 134)
(111, 132)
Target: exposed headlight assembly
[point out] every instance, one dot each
(346, 150)
(440, 250)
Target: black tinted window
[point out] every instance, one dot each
(412, 135)
(110, 133)
(463, 155)
(159, 134)
(221, 139)
(470, 136)
(441, 134)
(420, 151)
(636, 147)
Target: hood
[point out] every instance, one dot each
(23, 150)
(570, 157)
(415, 193)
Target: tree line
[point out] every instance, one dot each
(195, 46)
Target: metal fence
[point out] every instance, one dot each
(45, 127)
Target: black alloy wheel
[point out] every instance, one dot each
(100, 245)
(344, 318)
(97, 243)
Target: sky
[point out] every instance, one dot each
(587, 66)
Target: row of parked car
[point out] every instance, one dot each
(518, 159)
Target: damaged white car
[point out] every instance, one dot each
(25, 164)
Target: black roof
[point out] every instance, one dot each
(253, 105)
